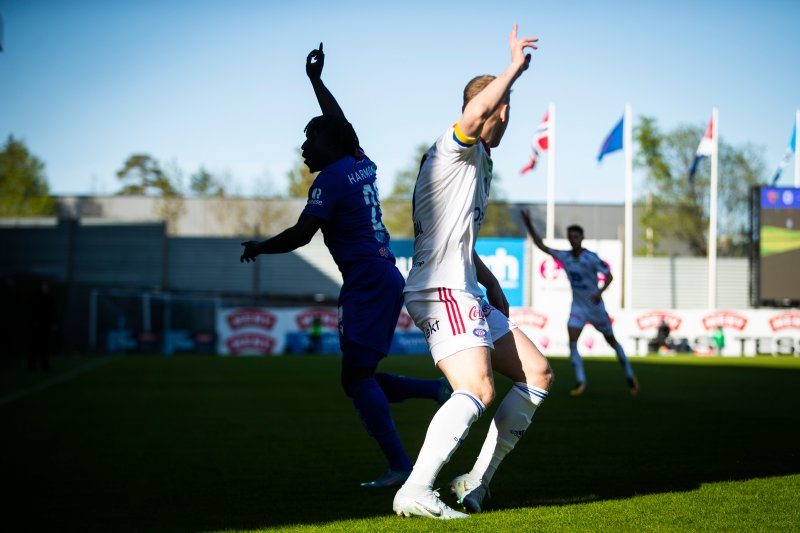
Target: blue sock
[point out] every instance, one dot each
(623, 360)
(373, 408)
(399, 388)
(577, 362)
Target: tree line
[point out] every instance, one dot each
(671, 206)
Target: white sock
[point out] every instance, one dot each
(447, 429)
(509, 423)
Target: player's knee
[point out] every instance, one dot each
(485, 392)
(353, 378)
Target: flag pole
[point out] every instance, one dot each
(628, 263)
(796, 146)
(712, 213)
(550, 232)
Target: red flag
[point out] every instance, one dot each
(539, 143)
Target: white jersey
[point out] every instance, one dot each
(450, 200)
(583, 274)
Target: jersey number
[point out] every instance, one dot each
(371, 199)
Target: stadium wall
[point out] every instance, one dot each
(90, 257)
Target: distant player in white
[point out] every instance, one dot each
(468, 336)
(583, 267)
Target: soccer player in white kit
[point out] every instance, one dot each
(582, 267)
(467, 335)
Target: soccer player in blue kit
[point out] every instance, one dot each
(582, 267)
(343, 202)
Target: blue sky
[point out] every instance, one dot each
(222, 84)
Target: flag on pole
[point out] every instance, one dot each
(613, 142)
(539, 143)
(787, 156)
(704, 150)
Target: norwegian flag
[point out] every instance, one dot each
(539, 143)
(703, 150)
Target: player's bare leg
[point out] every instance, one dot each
(517, 358)
(470, 373)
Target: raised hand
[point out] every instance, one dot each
(315, 60)
(518, 46)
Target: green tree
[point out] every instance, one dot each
(205, 185)
(673, 206)
(23, 186)
(141, 174)
(497, 220)
(397, 206)
(300, 178)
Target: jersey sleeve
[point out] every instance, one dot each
(559, 255)
(455, 143)
(322, 197)
(600, 265)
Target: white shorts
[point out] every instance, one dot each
(454, 320)
(594, 314)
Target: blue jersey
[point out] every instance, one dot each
(345, 196)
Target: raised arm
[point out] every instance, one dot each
(483, 105)
(537, 240)
(314, 63)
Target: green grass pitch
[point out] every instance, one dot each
(144, 443)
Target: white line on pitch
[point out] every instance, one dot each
(72, 374)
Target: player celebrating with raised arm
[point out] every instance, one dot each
(468, 337)
(343, 202)
(582, 267)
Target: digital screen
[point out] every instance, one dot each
(779, 236)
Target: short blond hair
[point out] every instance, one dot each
(476, 85)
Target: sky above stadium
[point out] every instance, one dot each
(222, 85)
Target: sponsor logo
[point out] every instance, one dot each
(653, 320)
(250, 343)
(479, 332)
(315, 198)
(384, 251)
(504, 266)
(251, 318)
(772, 196)
(785, 321)
(529, 317)
(329, 318)
(517, 432)
(724, 319)
(487, 309)
(475, 313)
(434, 512)
(430, 328)
(550, 269)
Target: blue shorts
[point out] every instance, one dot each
(369, 306)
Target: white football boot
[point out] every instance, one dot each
(426, 504)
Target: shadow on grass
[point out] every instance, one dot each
(199, 444)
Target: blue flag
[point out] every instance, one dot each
(787, 156)
(613, 142)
